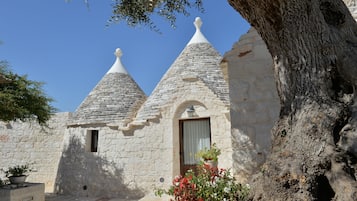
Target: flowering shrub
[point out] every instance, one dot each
(208, 184)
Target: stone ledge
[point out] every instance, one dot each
(29, 192)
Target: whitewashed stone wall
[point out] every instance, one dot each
(128, 163)
(254, 101)
(22, 143)
(134, 162)
(114, 170)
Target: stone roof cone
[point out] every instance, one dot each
(198, 61)
(113, 101)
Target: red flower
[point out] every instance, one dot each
(183, 182)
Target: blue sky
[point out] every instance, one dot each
(69, 47)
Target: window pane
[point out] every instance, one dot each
(196, 136)
(94, 141)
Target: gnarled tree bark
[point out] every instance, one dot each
(314, 48)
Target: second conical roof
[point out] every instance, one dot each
(199, 60)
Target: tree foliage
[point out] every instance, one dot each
(23, 99)
(140, 12)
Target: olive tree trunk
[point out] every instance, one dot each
(314, 47)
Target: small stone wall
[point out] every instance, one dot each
(254, 101)
(22, 143)
(29, 192)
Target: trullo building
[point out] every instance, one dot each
(121, 143)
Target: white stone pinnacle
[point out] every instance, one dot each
(198, 23)
(118, 52)
(117, 67)
(198, 37)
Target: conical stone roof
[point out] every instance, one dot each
(114, 100)
(198, 60)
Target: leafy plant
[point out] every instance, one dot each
(140, 12)
(23, 99)
(18, 170)
(209, 154)
(208, 184)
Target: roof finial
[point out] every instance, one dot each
(198, 23)
(198, 37)
(117, 66)
(118, 52)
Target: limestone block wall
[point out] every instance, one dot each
(190, 92)
(22, 143)
(126, 164)
(206, 104)
(254, 101)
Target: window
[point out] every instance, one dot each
(195, 134)
(92, 141)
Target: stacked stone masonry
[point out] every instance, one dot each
(197, 61)
(254, 102)
(115, 98)
(42, 148)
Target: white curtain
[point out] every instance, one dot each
(196, 136)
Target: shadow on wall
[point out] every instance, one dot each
(82, 173)
(247, 160)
